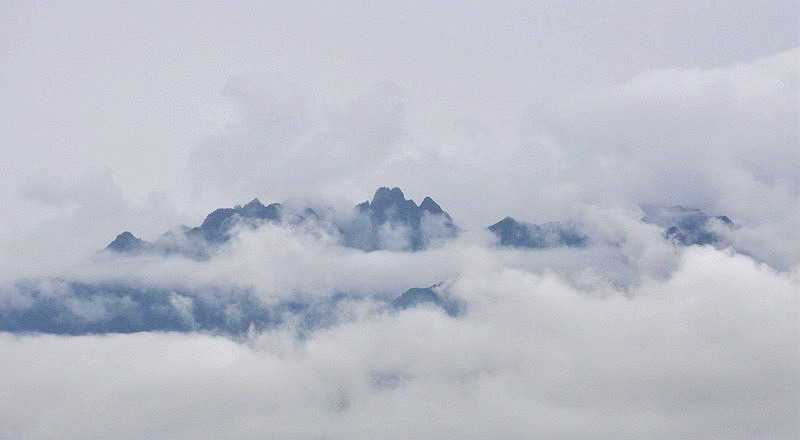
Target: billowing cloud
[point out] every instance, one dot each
(722, 139)
(709, 353)
(628, 336)
(287, 143)
(73, 218)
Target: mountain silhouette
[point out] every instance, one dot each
(690, 226)
(527, 235)
(389, 221)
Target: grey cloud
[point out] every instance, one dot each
(694, 124)
(294, 146)
(723, 140)
(75, 217)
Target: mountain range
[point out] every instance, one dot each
(387, 222)
(123, 307)
(391, 222)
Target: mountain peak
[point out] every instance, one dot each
(125, 242)
(389, 221)
(429, 205)
(690, 226)
(413, 225)
(254, 204)
(391, 203)
(386, 196)
(506, 221)
(527, 235)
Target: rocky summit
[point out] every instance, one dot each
(513, 233)
(690, 226)
(392, 222)
(388, 222)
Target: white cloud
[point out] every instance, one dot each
(710, 352)
(73, 218)
(723, 139)
(291, 145)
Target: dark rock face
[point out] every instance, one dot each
(75, 308)
(417, 296)
(127, 242)
(690, 226)
(196, 242)
(217, 226)
(526, 235)
(391, 221)
(432, 207)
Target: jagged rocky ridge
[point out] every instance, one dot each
(75, 308)
(682, 226)
(513, 233)
(215, 229)
(389, 221)
(690, 226)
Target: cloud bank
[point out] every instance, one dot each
(285, 332)
(709, 353)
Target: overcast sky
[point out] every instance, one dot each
(134, 90)
(142, 116)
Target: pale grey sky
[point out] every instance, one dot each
(133, 86)
(164, 107)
